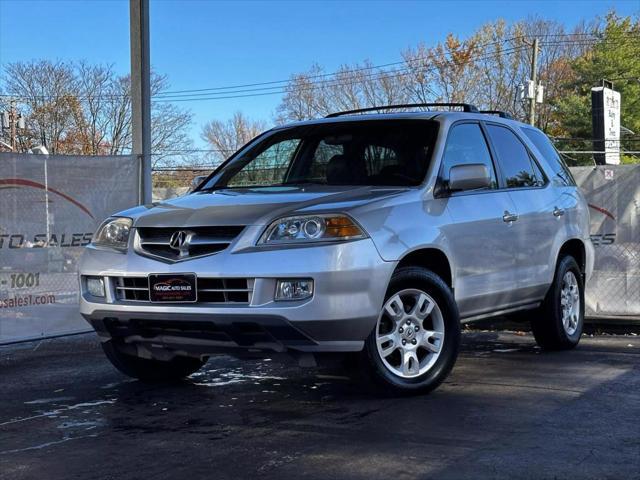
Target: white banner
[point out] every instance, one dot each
(50, 205)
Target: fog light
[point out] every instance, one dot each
(95, 286)
(294, 289)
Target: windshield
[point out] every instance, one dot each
(390, 153)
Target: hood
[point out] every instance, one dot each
(253, 207)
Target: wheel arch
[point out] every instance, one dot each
(432, 259)
(574, 247)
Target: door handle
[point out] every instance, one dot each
(509, 217)
(558, 212)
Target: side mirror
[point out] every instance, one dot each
(197, 181)
(472, 176)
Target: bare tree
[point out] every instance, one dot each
(444, 73)
(227, 137)
(384, 87)
(315, 94)
(485, 69)
(170, 141)
(304, 97)
(45, 90)
(497, 65)
(86, 109)
(94, 81)
(118, 111)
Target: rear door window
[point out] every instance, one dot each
(518, 167)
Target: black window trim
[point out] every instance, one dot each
(531, 156)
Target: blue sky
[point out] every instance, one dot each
(203, 44)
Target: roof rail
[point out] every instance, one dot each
(499, 113)
(466, 107)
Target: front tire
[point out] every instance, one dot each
(558, 323)
(149, 370)
(416, 340)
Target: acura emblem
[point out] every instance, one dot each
(180, 241)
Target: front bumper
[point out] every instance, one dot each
(350, 281)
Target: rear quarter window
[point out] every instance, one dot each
(561, 173)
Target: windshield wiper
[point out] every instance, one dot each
(303, 183)
(208, 190)
(252, 187)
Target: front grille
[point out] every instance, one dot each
(210, 290)
(132, 288)
(155, 241)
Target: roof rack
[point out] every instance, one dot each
(499, 113)
(466, 107)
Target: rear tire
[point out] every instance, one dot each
(149, 370)
(558, 323)
(416, 340)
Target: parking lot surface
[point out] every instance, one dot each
(507, 411)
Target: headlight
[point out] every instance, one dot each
(113, 233)
(311, 228)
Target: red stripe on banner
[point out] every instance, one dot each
(603, 211)
(20, 182)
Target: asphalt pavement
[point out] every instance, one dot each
(507, 411)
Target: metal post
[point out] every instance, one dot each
(534, 79)
(141, 93)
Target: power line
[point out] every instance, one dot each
(323, 75)
(510, 39)
(177, 93)
(339, 82)
(230, 87)
(184, 93)
(225, 90)
(282, 86)
(334, 82)
(279, 87)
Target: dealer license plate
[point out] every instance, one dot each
(173, 287)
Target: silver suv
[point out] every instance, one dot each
(375, 233)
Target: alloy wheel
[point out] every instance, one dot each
(570, 303)
(410, 333)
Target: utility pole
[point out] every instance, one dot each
(534, 81)
(12, 122)
(141, 93)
